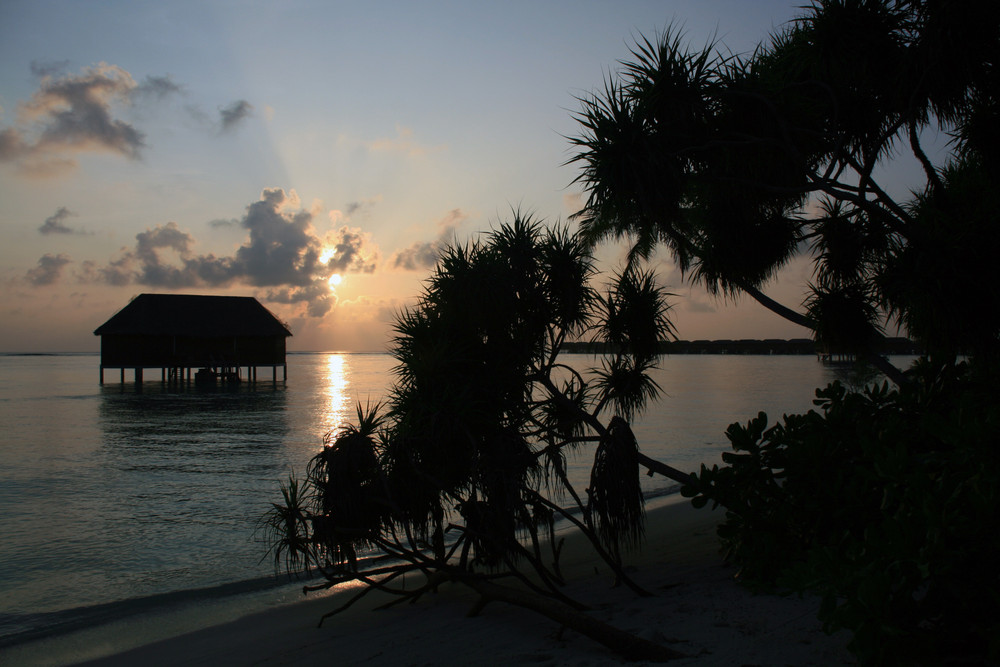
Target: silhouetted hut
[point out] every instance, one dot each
(178, 332)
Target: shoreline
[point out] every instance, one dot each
(264, 591)
(697, 609)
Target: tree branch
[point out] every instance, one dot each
(918, 151)
(622, 643)
(596, 543)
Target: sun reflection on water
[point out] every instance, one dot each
(336, 401)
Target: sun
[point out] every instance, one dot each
(334, 280)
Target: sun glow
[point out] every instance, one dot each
(335, 386)
(334, 280)
(327, 255)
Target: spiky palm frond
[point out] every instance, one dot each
(371, 417)
(415, 488)
(352, 506)
(495, 511)
(673, 83)
(846, 318)
(843, 43)
(626, 383)
(742, 244)
(616, 501)
(286, 528)
(634, 186)
(953, 56)
(635, 315)
(635, 322)
(562, 419)
(568, 267)
(847, 246)
(938, 282)
(687, 153)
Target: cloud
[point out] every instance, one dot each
(46, 68)
(197, 115)
(363, 206)
(282, 251)
(232, 115)
(696, 305)
(48, 271)
(148, 247)
(417, 256)
(71, 114)
(55, 223)
(352, 251)
(222, 223)
(573, 203)
(229, 117)
(168, 236)
(75, 111)
(156, 87)
(283, 248)
(318, 297)
(424, 255)
(12, 145)
(144, 265)
(403, 143)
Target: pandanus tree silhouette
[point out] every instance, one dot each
(735, 164)
(738, 163)
(461, 474)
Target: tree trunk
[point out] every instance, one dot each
(874, 359)
(654, 466)
(623, 643)
(777, 308)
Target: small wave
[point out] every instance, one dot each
(21, 628)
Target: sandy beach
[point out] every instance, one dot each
(697, 610)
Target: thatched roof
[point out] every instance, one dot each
(193, 315)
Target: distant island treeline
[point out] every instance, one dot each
(750, 346)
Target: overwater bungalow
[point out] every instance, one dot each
(218, 336)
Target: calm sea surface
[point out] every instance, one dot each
(117, 493)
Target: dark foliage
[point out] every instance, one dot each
(738, 163)
(461, 475)
(884, 502)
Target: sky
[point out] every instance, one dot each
(313, 154)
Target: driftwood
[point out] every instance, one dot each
(571, 614)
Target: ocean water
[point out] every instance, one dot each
(116, 497)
